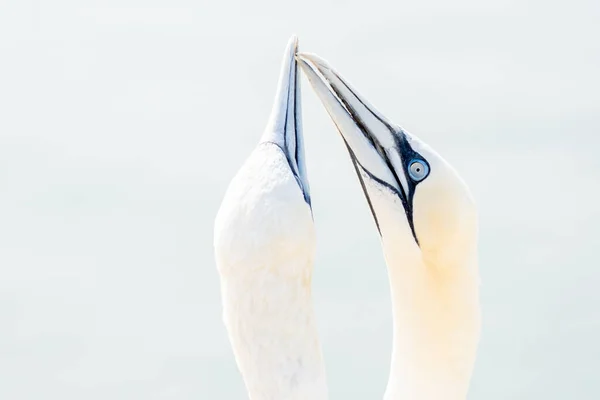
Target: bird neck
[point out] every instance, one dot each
(270, 319)
(436, 322)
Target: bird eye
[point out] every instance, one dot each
(418, 170)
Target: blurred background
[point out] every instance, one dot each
(122, 122)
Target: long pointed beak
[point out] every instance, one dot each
(378, 148)
(371, 138)
(285, 123)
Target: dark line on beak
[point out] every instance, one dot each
(387, 125)
(297, 134)
(393, 189)
(284, 149)
(355, 163)
(296, 154)
(406, 198)
(287, 109)
(367, 134)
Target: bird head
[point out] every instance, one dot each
(419, 203)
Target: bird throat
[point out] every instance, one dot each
(436, 319)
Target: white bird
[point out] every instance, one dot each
(427, 223)
(265, 245)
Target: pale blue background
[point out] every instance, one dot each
(121, 123)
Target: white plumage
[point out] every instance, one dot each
(265, 246)
(427, 221)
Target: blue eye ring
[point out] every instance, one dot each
(418, 169)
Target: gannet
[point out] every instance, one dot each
(427, 222)
(264, 242)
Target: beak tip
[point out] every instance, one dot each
(313, 59)
(303, 56)
(293, 44)
(301, 61)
